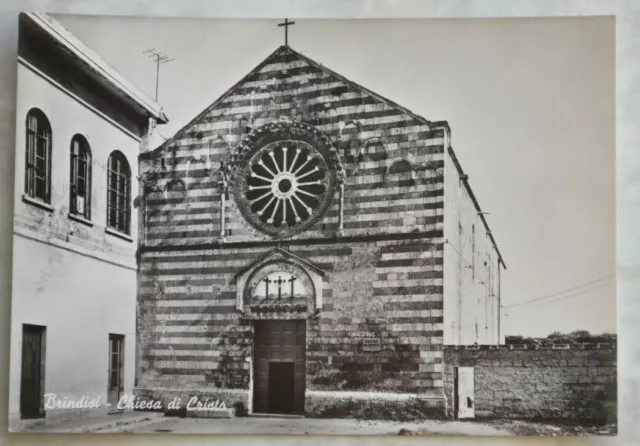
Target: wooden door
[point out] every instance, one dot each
(32, 373)
(115, 386)
(281, 378)
(279, 366)
(465, 392)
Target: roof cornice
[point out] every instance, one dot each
(65, 38)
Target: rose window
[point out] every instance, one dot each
(284, 177)
(286, 183)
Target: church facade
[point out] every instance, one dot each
(308, 247)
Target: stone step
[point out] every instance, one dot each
(130, 427)
(98, 424)
(274, 415)
(118, 424)
(210, 413)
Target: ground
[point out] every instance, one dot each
(156, 422)
(318, 426)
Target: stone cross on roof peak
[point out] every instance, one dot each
(286, 25)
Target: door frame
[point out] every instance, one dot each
(42, 331)
(456, 392)
(254, 365)
(456, 397)
(114, 337)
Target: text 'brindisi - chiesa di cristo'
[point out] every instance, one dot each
(308, 246)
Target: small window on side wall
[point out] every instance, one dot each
(80, 182)
(37, 174)
(118, 193)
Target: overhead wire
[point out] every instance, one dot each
(562, 294)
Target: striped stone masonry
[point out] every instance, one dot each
(392, 291)
(393, 159)
(383, 281)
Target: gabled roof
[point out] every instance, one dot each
(287, 50)
(475, 203)
(96, 64)
(283, 253)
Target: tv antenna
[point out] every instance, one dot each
(160, 58)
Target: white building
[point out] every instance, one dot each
(80, 128)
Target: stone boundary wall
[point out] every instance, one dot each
(575, 382)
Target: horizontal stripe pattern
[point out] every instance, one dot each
(305, 92)
(381, 281)
(191, 327)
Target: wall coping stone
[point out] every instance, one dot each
(384, 396)
(508, 347)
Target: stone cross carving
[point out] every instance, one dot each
(279, 282)
(266, 282)
(292, 280)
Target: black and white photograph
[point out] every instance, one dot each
(314, 227)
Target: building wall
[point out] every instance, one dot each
(72, 277)
(371, 136)
(471, 271)
(362, 298)
(394, 281)
(80, 300)
(562, 382)
(384, 272)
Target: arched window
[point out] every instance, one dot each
(80, 197)
(403, 172)
(118, 193)
(37, 176)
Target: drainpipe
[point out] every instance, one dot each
(499, 305)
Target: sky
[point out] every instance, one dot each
(531, 105)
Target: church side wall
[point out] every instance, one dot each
(471, 285)
(453, 273)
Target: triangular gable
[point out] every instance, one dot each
(286, 255)
(286, 52)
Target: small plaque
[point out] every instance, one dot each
(371, 345)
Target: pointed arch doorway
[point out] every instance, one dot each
(279, 293)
